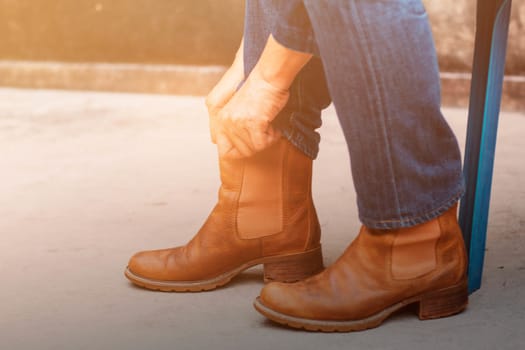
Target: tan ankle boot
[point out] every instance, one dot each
(379, 273)
(264, 215)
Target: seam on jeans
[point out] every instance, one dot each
(290, 132)
(369, 64)
(300, 92)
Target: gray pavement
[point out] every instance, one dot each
(86, 179)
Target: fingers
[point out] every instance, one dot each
(225, 148)
(245, 118)
(273, 135)
(242, 144)
(263, 135)
(214, 125)
(221, 94)
(234, 146)
(249, 135)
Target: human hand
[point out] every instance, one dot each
(221, 93)
(244, 123)
(240, 122)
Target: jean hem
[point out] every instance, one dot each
(295, 140)
(288, 37)
(417, 219)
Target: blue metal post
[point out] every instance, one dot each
(487, 81)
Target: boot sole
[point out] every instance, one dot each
(441, 303)
(283, 268)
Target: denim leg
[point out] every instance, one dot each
(382, 74)
(309, 95)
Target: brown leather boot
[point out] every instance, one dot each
(264, 215)
(379, 273)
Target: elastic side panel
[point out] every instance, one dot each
(260, 211)
(414, 251)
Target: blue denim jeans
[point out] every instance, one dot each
(377, 60)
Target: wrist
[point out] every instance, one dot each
(279, 65)
(277, 79)
(225, 88)
(269, 83)
(237, 66)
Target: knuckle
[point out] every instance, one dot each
(209, 101)
(222, 114)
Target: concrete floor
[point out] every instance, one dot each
(89, 178)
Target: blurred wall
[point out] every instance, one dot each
(453, 24)
(198, 32)
(161, 38)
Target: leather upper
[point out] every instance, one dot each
(264, 209)
(369, 276)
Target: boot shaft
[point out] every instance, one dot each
(269, 196)
(431, 251)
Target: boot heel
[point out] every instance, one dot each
(444, 302)
(294, 267)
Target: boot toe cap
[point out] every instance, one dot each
(147, 264)
(282, 298)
